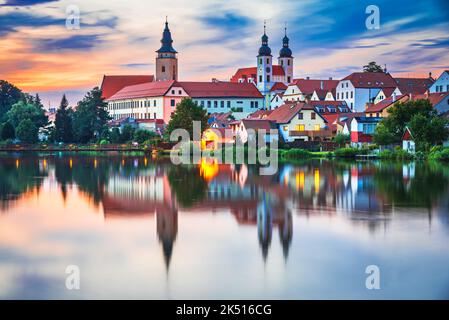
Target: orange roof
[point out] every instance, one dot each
(371, 80)
(251, 72)
(110, 85)
(150, 89)
(260, 114)
(434, 98)
(278, 86)
(380, 106)
(221, 89)
(308, 86)
(286, 112)
(258, 124)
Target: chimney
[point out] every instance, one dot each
(307, 78)
(321, 84)
(330, 78)
(393, 97)
(430, 75)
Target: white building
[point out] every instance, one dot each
(360, 88)
(441, 84)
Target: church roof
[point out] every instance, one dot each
(251, 72)
(166, 41)
(111, 84)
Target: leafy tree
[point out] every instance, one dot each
(114, 135)
(143, 135)
(372, 67)
(341, 138)
(9, 95)
(428, 132)
(127, 133)
(23, 110)
(383, 136)
(7, 131)
(186, 112)
(63, 122)
(91, 117)
(27, 131)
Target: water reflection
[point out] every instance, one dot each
(368, 194)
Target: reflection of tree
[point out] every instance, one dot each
(18, 176)
(187, 184)
(422, 190)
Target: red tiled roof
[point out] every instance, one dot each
(388, 91)
(407, 134)
(110, 85)
(251, 72)
(260, 114)
(286, 112)
(221, 89)
(150, 89)
(258, 124)
(278, 86)
(325, 104)
(434, 98)
(308, 86)
(380, 106)
(414, 85)
(371, 80)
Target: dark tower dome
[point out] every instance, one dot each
(264, 50)
(285, 52)
(166, 41)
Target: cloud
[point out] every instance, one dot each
(76, 42)
(13, 20)
(23, 3)
(136, 65)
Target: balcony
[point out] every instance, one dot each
(312, 134)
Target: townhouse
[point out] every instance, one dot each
(360, 88)
(441, 84)
(302, 89)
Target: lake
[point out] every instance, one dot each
(137, 227)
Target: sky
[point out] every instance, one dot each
(38, 53)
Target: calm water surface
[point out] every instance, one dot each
(143, 228)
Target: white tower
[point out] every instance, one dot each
(265, 69)
(286, 60)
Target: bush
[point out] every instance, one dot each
(27, 132)
(441, 154)
(347, 152)
(295, 154)
(104, 142)
(144, 135)
(397, 153)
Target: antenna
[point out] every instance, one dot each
(285, 28)
(264, 26)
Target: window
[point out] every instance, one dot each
(179, 92)
(268, 60)
(215, 104)
(282, 62)
(202, 103)
(316, 127)
(352, 94)
(313, 116)
(346, 94)
(300, 116)
(288, 79)
(257, 104)
(260, 78)
(154, 103)
(155, 115)
(229, 104)
(222, 104)
(172, 102)
(252, 104)
(209, 104)
(369, 128)
(342, 85)
(300, 127)
(173, 92)
(260, 61)
(288, 63)
(268, 78)
(163, 68)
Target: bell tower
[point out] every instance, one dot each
(166, 60)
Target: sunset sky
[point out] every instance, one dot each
(214, 38)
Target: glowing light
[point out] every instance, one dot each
(95, 163)
(209, 168)
(145, 161)
(300, 178)
(317, 180)
(70, 163)
(17, 163)
(45, 163)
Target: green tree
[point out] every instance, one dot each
(91, 117)
(114, 135)
(383, 136)
(372, 67)
(27, 131)
(23, 110)
(127, 133)
(9, 95)
(186, 112)
(63, 122)
(7, 131)
(143, 135)
(428, 132)
(342, 138)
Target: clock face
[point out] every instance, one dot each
(267, 69)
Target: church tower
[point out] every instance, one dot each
(167, 60)
(265, 68)
(285, 59)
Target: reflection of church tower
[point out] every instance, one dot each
(286, 232)
(264, 227)
(166, 61)
(167, 229)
